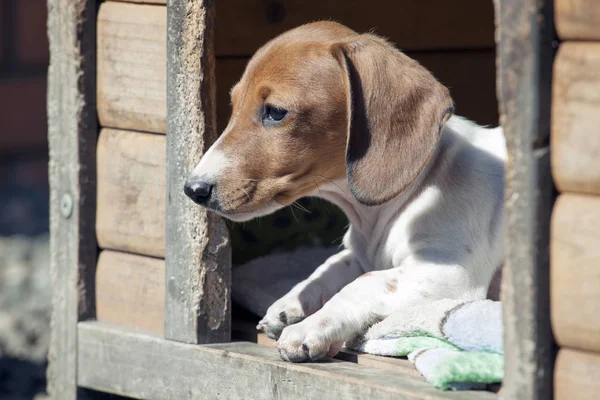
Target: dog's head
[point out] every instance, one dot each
(316, 104)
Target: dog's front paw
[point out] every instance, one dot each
(286, 311)
(309, 340)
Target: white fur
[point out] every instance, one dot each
(212, 163)
(266, 209)
(440, 239)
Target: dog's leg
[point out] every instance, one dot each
(369, 299)
(308, 296)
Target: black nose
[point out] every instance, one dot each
(198, 191)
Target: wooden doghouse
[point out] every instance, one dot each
(142, 277)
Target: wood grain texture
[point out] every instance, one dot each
(242, 26)
(577, 19)
(131, 192)
(72, 139)
(576, 118)
(524, 60)
(125, 362)
(198, 253)
(130, 291)
(132, 66)
(471, 77)
(576, 375)
(575, 272)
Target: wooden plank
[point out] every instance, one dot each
(131, 192)
(471, 77)
(198, 254)
(575, 272)
(524, 61)
(577, 19)
(125, 362)
(576, 375)
(132, 66)
(575, 118)
(245, 25)
(130, 291)
(72, 140)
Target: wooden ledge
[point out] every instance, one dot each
(131, 363)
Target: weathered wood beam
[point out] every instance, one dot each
(198, 253)
(142, 366)
(72, 171)
(524, 70)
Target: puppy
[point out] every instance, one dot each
(324, 111)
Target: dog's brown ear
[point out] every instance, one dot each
(396, 110)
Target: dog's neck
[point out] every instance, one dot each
(370, 221)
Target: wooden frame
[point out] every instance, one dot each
(525, 31)
(72, 131)
(198, 269)
(197, 293)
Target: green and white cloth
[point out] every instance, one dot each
(453, 344)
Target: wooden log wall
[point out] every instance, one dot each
(131, 164)
(575, 233)
(131, 96)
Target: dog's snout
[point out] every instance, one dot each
(199, 191)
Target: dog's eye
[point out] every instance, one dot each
(273, 115)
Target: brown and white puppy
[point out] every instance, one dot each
(324, 111)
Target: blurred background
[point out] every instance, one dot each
(24, 279)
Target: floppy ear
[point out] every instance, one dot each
(396, 110)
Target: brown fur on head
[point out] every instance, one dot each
(356, 107)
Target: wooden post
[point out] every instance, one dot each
(198, 255)
(72, 139)
(524, 59)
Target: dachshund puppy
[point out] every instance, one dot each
(324, 111)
